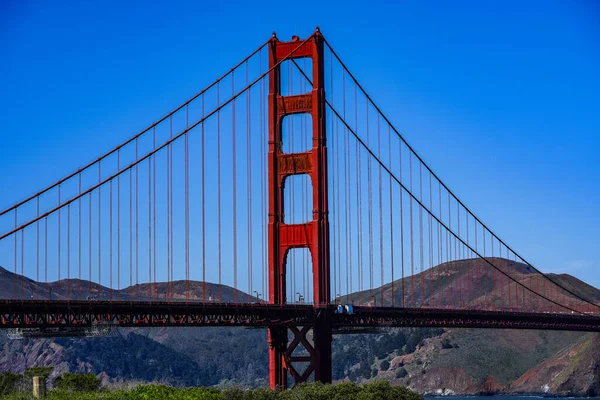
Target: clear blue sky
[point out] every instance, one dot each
(502, 99)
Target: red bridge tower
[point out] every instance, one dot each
(314, 234)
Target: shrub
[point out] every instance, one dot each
(151, 392)
(385, 365)
(77, 382)
(401, 372)
(27, 381)
(306, 391)
(9, 382)
(42, 372)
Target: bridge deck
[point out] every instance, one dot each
(72, 314)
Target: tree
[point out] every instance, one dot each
(385, 365)
(42, 372)
(9, 382)
(401, 372)
(77, 382)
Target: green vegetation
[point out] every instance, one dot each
(9, 382)
(506, 355)
(77, 382)
(15, 383)
(114, 356)
(42, 372)
(385, 365)
(312, 391)
(354, 355)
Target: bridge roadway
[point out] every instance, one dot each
(45, 314)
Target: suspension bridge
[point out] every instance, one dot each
(280, 196)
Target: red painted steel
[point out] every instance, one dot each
(313, 235)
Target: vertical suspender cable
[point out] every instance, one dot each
(401, 225)
(203, 211)
(439, 250)
(336, 185)
(347, 212)
(370, 214)
(249, 181)
(15, 253)
(137, 227)
(150, 244)
(457, 254)
(187, 203)
(470, 276)
(99, 230)
(37, 227)
(262, 179)
(131, 234)
(380, 209)
(69, 252)
(119, 224)
(154, 227)
(358, 196)
(449, 250)
(150, 228)
(219, 191)
(90, 238)
(110, 238)
(485, 295)
(169, 215)
(393, 300)
(478, 266)
(421, 242)
(234, 191)
(79, 237)
(22, 263)
(412, 246)
(430, 230)
(187, 207)
(45, 251)
(336, 260)
(58, 248)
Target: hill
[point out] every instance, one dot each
(572, 371)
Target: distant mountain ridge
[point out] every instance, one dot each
(15, 286)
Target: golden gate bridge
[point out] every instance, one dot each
(280, 196)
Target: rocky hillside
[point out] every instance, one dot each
(472, 361)
(573, 371)
(460, 361)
